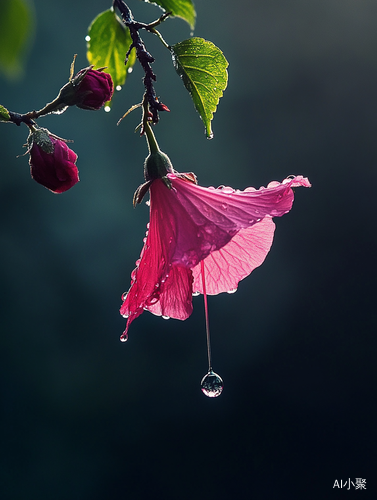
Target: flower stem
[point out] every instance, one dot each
(151, 139)
(206, 316)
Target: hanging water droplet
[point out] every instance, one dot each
(212, 384)
(195, 294)
(124, 337)
(124, 295)
(130, 70)
(232, 291)
(165, 317)
(87, 38)
(107, 109)
(118, 87)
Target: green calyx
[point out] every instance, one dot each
(157, 164)
(41, 137)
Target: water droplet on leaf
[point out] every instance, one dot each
(212, 385)
(87, 38)
(129, 70)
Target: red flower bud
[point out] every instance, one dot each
(94, 90)
(52, 163)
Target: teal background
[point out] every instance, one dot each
(86, 417)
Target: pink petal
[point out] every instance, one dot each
(175, 300)
(224, 268)
(208, 218)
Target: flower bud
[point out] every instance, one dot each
(92, 89)
(52, 163)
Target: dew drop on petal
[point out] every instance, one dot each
(165, 317)
(232, 291)
(212, 385)
(195, 294)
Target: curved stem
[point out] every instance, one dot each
(160, 37)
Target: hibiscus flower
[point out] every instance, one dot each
(220, 234)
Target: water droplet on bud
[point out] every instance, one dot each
(212, 384)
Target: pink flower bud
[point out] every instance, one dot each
(94, 90)
(52, 163)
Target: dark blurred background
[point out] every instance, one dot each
(86, 417)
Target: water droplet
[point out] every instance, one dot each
(212, 384)
(107, 109)
(232, 291)
(118, 87)
(130, 70)
(227, 189)
(124, 295)
(210, 136)
(87, 38)
(124, 337)
(195, 294)
(165, 317)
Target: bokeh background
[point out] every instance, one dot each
(86, 417)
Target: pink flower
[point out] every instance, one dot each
(52, 163)
(231, 231)
(94, 90)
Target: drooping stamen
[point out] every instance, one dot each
(206, 316)
(211, 384)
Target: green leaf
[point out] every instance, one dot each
(179, 8)
(202, 67)
(16, 29)
(108, 44)
(4, 114)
